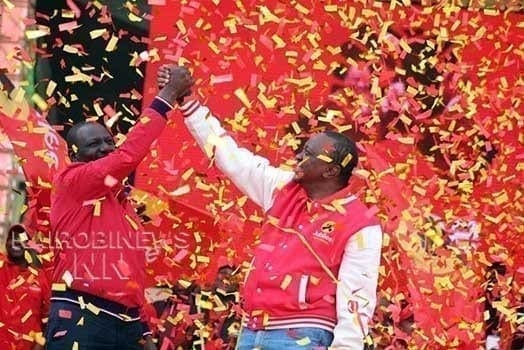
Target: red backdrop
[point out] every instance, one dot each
(433, 94)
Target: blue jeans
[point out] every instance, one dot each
(288, 339)
(69, 324)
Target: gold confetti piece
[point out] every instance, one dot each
(265, 319)
(360, 240)
(94, 309)
(180, 191)
(111, 121)
(96, 33)
(501, 197)
(51, 86)
(231, 24)
(268, 103)
(26, 316)
(80, 321)
(198, 239)
(295, 127)
(306, 112)
(304, 341)
(28, 257)
(70, 49)
(408, 140)
(78, 76)
(202, 259)
(75, 346)
(111, 45)
(362, 173)
(202, 186)
(9, 4)
(214, 47)
(278, 41)
(324, 158)
(98, 109)
(241, 95)
(132, 222)
(285, 282)
(346, 160)
(37, 33)
(301, 8)
(59, 287)
(181, 27)
(187, 174)
(134, 18)
(267, 16)
(419, 190)
(23, 237)
(97, 208)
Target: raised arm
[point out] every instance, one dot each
(252, 174)
(98, 176)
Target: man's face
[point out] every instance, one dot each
(315, 159)
(226, 281)
(93, 142)
(14, 245)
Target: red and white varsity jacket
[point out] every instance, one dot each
(317, 263)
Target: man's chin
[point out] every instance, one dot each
(100, 157)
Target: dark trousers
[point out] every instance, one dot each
(68, 324)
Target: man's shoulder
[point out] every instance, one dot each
(67, 170)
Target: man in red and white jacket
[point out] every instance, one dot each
(98, 289)
(314, 274)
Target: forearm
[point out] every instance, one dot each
(356, 291)
(252, 174)
(99, 176)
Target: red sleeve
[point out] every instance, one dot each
(94, 179)
(44, 276)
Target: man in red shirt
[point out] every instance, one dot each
(98, 279)
(23, 295)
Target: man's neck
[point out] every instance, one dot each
(22, 263)
(322, 190)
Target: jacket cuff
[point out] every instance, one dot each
(145, 329)
(189, 107)
(161, 106)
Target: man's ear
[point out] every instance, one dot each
(332, 170)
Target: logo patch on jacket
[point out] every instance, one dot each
(326, 232)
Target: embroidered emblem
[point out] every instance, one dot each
(326, 231)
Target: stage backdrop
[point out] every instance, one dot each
(433, 96)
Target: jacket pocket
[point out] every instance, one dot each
(302, 291)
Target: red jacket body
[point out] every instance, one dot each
(97, 237)
(293, 279)
(24, 299)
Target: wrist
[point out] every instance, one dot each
(161, 106)
(168, 94)
(189, 107)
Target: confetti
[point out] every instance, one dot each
(458, 105)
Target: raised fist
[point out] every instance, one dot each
(175, 83)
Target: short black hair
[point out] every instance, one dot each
(226, 267)
(344, 146)
(72, 135)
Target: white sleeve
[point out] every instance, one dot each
(252, 174)
(356, 291)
